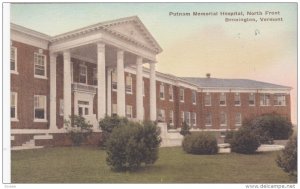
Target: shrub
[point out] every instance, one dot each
(244, 142)
(108, 123)
(185, 129)
(131, 145)
(269, 127)
(78, 129)
(287, 160)
(200, 143)
(229, 136)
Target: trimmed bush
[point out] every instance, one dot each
(131, 145)
(200, 143)
(287, 160)
(78, 129)
(229, 136)
(107, 125)
(269, 127)
(185, 129)
(244, 142)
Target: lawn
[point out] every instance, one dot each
(87, 165)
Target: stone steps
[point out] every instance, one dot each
(30, 144)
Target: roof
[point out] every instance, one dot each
(30, 32)
(233, 83)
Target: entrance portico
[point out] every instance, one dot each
(112, 45)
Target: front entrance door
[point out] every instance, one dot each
(83, 108)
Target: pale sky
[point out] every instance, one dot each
(193, 45)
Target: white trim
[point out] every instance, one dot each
(131, 86)
(16, 106)
(130, 112)
(45, 66)
(223, 94)
(45, 109)
(209, 95)
(40, 120)
(181, 100)
(162, 90)
(15, 71)
(14, 120)
(29, 39)
(86, 74)
(240, 102)
(194, 92)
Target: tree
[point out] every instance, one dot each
(287, 160)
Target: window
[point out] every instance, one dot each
(181, 95)
(194, 97)
(61, 107)
(13, 59)
(171, 118)
(238, 119)
(223, 119)
(171, 93)
(265, 100)
(187, 118)
(39, 107)
(222, 99)
(114, 80)
(13, 106)
(237, 99)
(114, 109)
(207, 99)
(95, 76)
(279, 100)
(208, 120)
(128, 111)
(193, 119)
(182, 116)
(129, 84)
(162, 91)
(39, 65)
(83, 107)
(161, 115)
(251, 99)
(82, 74)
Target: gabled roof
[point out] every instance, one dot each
(233, 83)
(29, 32)
(106, 26)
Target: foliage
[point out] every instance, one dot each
(244, 142)
(200, 143)
(185, 129)
(108, 123)
(132, 144)
(78, 129)
(269, 127)
(229, 136)
(287, 160)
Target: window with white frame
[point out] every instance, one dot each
(208, 119)
(82, 74)
(39, 65)
(171, 95)
(162, 91)
(222, 99)
(279, 100)
(238, 119)
(265, 99)
(171, 117)
(114, 80)
(194, 97)
(223, 119)
(182, 116)
(187, 118)
(207, 99)
(114, 109)
(13, 59)
(129, 84)
(161, 115)
(95, 81)
(181, 95)
(40, 107)
(237, 99)
(61, 107)
(193, 119)
(13, 105)
(128, 111)
(251, 99)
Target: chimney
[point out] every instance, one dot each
(208, 75)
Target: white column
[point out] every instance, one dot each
(67, 85)
(152, 92)
(139, 89)
(121, 84)
(109, 92)
(53, 92)
(101, 90)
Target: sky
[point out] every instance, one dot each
(193, 45)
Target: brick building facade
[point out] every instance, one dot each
(54, 77)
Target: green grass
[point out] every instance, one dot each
(87, 165)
